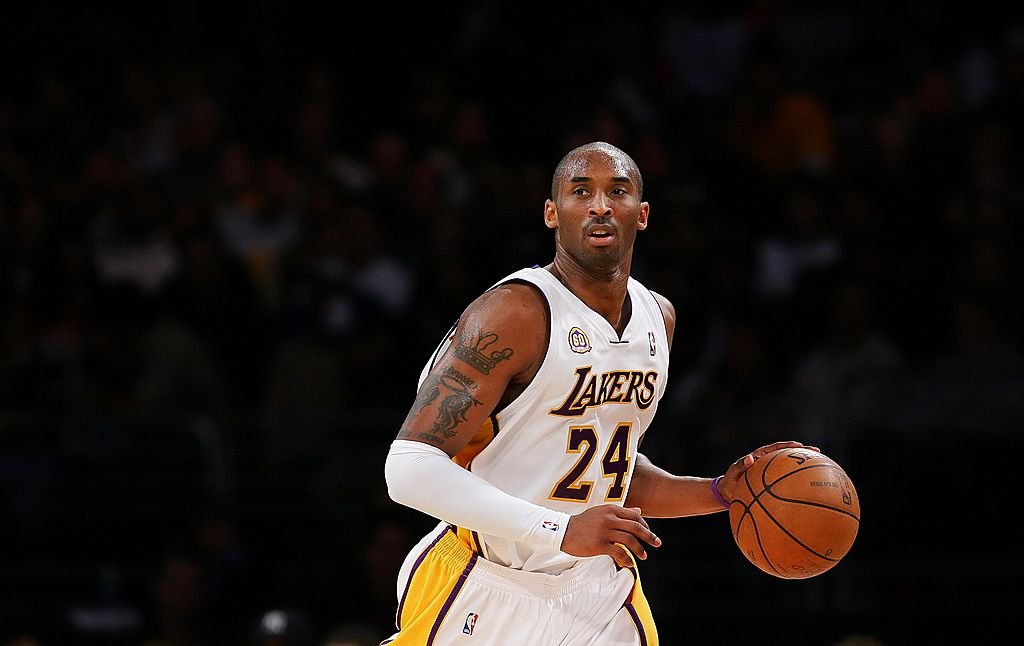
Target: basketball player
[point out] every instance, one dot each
(523, 439)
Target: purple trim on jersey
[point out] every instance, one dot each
(451, 599)
(636, 622)
(412, 573)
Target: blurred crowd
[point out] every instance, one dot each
(228, 241)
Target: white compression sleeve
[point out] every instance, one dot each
(425, 478)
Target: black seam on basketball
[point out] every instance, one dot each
(760, 546)
(786, 531)
(747, 515)
(775, 456)
(809, 503)
(743, 516)
(798, 470)
(768, 489)
(779, 570)
(746, 509)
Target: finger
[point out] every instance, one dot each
(645, 533)
(620, 556)
(759, 453)
(634, 546)
(641, 533)
(800, 445)
(636, 515)
(635, 543)
(790, 444)
(637, 525)
(750, 458)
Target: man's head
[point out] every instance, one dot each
(596, 207)
(565, 168)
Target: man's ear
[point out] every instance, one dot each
(645, 211)
(550, 214)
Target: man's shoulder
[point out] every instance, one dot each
(664, 303)
(516, 295)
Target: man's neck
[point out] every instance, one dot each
(605, 294)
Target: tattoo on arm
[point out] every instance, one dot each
(452, 409)
(479, 355)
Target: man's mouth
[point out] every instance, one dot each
(601, 235)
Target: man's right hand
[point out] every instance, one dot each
(610, 530)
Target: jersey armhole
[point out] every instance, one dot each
(547, 337)
(664, 319)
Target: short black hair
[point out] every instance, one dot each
(602, 146)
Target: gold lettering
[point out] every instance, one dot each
(615, 386)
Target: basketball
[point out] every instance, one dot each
(795, 513)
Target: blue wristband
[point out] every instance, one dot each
(718, 496)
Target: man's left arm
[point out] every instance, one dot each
(660, 494)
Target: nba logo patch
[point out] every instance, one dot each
(470, 623)
(650, 337)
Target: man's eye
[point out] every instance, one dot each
(579, 190)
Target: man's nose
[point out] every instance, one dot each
(601, 205)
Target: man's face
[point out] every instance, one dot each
(597, 211)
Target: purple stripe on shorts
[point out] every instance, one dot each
(476, 541)
(412, 573)
(451, 599)
(636, 620)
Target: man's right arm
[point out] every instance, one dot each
(425, 478)
(499, 338)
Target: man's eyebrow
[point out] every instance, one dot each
(580, 179)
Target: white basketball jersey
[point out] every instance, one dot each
(569, 440)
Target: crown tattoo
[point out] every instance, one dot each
(478, 356)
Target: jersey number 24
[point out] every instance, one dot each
(614, 464)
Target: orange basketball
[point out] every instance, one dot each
(795, 513)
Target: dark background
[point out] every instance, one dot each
(230, 236)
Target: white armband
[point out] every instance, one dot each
(425, 478)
